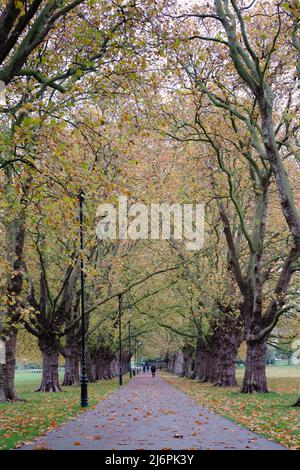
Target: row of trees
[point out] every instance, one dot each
(159, 104)
(244, 116)
(56, 57)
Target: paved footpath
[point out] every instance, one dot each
(149, 414)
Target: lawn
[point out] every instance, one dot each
(22, 421)
(269, 415)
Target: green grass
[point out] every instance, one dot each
(22, 421)
(269, 415)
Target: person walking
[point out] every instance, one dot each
(153, 370)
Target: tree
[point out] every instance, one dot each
(36, 65)
(242, 94)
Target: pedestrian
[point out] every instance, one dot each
(153, 370)
(144, 368)
(148, 367)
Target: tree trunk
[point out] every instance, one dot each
(211, 363)
(171, 363)
(178, 363)
(10, 367)
(91, 372)
(226, 370)
(107, 369)
(201, 356)
(7, 371)
(2, 384)
(187, 352)
(113, 367)
(125, 360)
(71, 376)
(100, 368)
(50, 379)
(255, 371)
(15, 249)
(91, 367)
(71, 352)
(228, 349)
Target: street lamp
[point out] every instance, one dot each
(129, 336)
(129, 306)
(141, 356)
(136, 358)
(120, 340)
(83, 380)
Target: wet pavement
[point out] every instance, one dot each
(148, 413)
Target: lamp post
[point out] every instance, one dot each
(129, 307)
(136, 358)
(120, 340)
(141, 356)
(83, 380)
(129, 336)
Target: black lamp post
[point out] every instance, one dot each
(120, 340)
(129, 307)
(136, 358)
(141, 356)
(84, 380)
(129, 336)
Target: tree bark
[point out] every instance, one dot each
(172, 362)
(107, 370)
(187, 352)
(50, 378)
(201, 357)
(100, 362)
(15, 249)
(7, 371)
(71, 376)
(2, 384)
(230, 338)
(226, 370)
(125, 360)
(114, 367)
(211, 373)
(91, 367)
(206, 359)
(91, 372)
(10, 367)
(255, 371)
(178, 363)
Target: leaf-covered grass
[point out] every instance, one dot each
(269, 415)
(22, 421)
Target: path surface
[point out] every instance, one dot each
(150, 414)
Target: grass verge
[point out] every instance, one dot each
(22, 421)
(269, 415)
